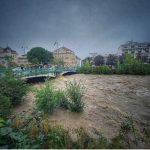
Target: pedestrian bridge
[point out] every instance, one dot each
(43, 72)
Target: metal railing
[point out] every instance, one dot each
(39, 71)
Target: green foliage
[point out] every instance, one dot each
(88, 69)
(62, 99)
(2, 122)
(132, 66)
(46, 98)
(99, 60)
(104, 69)
(74, 93)
(5, 105)
(127, 136)
(13, 88)
(129, 65)
(39, 55)
(112, 60)
(36, 132)
(85, 68)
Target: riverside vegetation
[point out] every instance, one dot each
(35, 131)
(130, 65)
(47, 98)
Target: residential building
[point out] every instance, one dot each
(137, 50)
(68, 56)
(7, 53)
(22, 60)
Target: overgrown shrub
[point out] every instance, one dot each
(13, 88)
(37, 133)
(74, 93)
(46, 98)
(85, 68)
(62, 99)
(104, 69)
(132, 66)
(5, 106)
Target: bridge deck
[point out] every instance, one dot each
(40, 75)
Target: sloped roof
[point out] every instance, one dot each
(63, 48)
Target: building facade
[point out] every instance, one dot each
(67, 56)
(22, 60)
(137, 50)
(7, 53)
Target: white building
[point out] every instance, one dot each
(138, 50)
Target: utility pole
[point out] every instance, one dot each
(24, 49)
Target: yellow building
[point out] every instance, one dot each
(67, 56)
(22, 60)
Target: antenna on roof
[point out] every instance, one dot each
(56, 45)
(24, 49)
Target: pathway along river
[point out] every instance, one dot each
(108, 98)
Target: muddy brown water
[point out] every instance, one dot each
(108, 99)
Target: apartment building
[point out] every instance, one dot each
(67, 56)
(22, 60)
(137, 50)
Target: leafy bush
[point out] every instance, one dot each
(74, 93)
(132, 66)
(62, 99)
(85, 68)
(46, 98)
(5, 105)
(104, 69)
(13, 88)
(37, 133)
(88, 69)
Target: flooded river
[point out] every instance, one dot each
(108, 98)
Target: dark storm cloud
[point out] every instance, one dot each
(82, 25)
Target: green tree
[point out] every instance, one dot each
(112, 59)
(99, 60)
(39, 55)
(87, 59)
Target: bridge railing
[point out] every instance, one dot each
(39, 71)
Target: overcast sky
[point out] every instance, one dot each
(82, 25)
